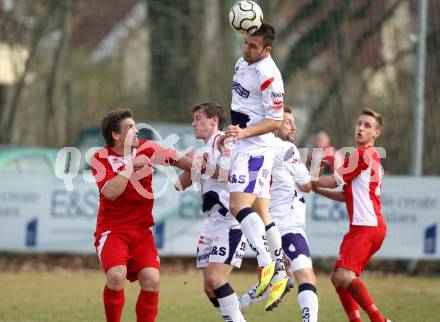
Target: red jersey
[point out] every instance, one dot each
(133, 208)
(362, 176)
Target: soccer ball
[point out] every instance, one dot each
(246, 17)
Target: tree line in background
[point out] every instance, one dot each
(336, 57)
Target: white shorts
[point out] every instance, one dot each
(251, 169)
(221, 241)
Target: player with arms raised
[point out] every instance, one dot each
(361, 177)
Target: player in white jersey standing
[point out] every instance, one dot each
(256, 111)
(221, 244)
(361, 177)
(290, 178)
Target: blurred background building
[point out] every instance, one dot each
(65, 63)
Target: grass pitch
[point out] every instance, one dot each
(77, 297)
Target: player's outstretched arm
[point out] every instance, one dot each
(183, 161)
(331, 194)
(325, 182)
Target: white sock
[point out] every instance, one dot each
(274, 242)
(253, 229)
(248, 298)
(229, 306)
(308, 302)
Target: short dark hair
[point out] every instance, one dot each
(212, 109)
(287, 110)
(267, 32)
(375, 115)
(112, 123)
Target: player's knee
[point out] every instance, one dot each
(242, 213)
(209, 294)
(341, 278)
(116, 278)
(335, 280)
(209, 290)
(234, 208)
(211, 282)
(149, 279)
(305, 276)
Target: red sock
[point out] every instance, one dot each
(359, 291)
(113, 304)
(147, 306)
(349, 304)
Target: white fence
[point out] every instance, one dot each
(37, 213)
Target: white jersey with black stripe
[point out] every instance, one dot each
(257, 94)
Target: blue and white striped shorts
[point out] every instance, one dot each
(251, 169)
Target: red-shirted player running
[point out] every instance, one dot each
(361, 176)
(123, 239)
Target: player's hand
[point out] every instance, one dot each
(314, 185)
(236, 132)
(140, 161)
(190, 153)
(224, 145)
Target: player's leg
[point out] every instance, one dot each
(144, 266)
(297, 252)
(112, 251)
(250, 171)
(246, 169)
(307, 295)
(280, 283)
(114, 297)
(204, 249)
(240, 205)
(148, 298)
(356, 250)
(221, 247)
(351, 307)
(115, 277)
(261, 206)
(261, 177)
(218, 290)
(253, 228)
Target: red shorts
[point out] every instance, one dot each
(359, 244)
(132, 248)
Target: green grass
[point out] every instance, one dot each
(77, 297)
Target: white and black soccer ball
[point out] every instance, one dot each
(246, 17)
